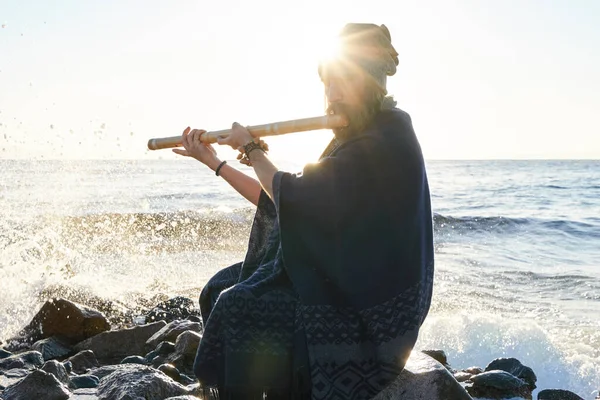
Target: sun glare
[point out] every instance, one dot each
(329, 49)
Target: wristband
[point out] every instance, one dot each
(219, 167)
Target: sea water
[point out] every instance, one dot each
(517, 250)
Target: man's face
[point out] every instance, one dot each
(345, 88)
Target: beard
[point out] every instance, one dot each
(358, 117)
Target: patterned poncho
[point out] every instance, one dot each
(337, 279)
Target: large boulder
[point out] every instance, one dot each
(515, 368)
(70, 321)
(171, 331)
(121, 343)
(139, 382)
(37, 385)
(424, 378)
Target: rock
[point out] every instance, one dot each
(4, 354)
(515, 368)
(83, 361)
(139, 382)
(158, 360)
(85, 381)
(28, 360)
(498, 384)
(58, 370)
(134, 360)
(473, 370)
(116, 313)
(52, 347)
(187, 343)
(557, 394)
(163, 349)
(12, 376)
(170, 371)
(424, 378)
(188, 397)
(104, 371)
(68, 366)
(60, 317)
(121, 343)
(171, 331)
(438, 355)
(37, 385)
(84, 394)
(186, 347)
(461, 376)
(173, 309)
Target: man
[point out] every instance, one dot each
(337, 280)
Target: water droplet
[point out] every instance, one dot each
(51, 126)
(103, 126)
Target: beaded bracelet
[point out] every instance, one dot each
(252, 146)
(219, 167)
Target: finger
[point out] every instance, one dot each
(223, 140)
(185, 140)
(181, 152)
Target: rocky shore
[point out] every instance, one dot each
(73, 351)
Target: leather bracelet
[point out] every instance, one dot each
(219, 167)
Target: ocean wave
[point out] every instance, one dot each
(500, 224)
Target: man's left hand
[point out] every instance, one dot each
(238, 138)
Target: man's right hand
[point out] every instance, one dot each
(193, 147)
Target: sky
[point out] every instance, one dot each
(504, 79)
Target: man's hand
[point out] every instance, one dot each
(193, 147)
(238, 138)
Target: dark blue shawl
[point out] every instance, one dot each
(337, 279)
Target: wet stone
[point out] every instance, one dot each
(58, 370)
(515, 368)
(497, 384)
(83, 361)
(4, 354)
(139, 382)
(557, 394)
(170, 371)
(29, 360)
(438, 355)
(173, 309)
(37, 385)
(171, 331)
(52, 348)
(85, 381)
(134, 360)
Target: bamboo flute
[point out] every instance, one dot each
(272, 129)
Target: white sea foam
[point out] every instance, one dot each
(475, 339)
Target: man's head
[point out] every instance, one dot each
(355, 79)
